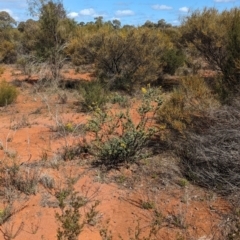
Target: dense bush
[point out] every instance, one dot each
(8, 38)
(123, 57)
(173, 59)
(216, 36)
(8, 93)
(190, 100)
(8, 52)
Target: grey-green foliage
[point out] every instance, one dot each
(69, 218)
(118, 138)
(121, 99)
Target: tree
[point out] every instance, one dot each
(116, 23)
(21, 26)
(28, 40)
(162, 24)
(8, 42)
(52, 36)
(6, 21)
(99, 21)
(149, 24)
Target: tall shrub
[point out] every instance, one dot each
(216, 36)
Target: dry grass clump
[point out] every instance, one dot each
(190, 100)
(8, 93)
(212, 158)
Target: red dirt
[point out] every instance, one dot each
(27, 136)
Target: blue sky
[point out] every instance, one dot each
(135, 12)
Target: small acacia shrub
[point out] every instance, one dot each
(190, 100)
(69, 219)
(122, 100)
(8, 93)
(93, 94)
(117, 138)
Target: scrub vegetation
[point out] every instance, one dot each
(152, 90)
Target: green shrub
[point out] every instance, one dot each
(122, 100)
(94, 95)
(69, 218)
(120, 140)
(8, 93)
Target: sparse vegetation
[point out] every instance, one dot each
(117, 138)
(121, 99)
(130, 118)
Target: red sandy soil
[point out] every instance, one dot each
(27, 136)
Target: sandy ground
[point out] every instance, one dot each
(129, 201)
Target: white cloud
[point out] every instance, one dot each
(224, 1)
(115, 18)
(88, 12)
(184, 9)
(175, 22)
(124, 13)
(73, 14)
(161, 7)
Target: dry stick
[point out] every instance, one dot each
(8, 233)
(58, 120)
